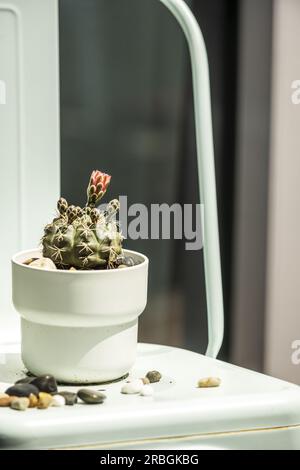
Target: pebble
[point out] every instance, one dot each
(131, 388)
(153, 376)
(72, 269)
(128, 261)
(33, 401)
(19, 403)
(209, 382)
(58, 401)
(122, 266)
(147, 391)
(22, 390)
(29, 261)
(43, 263)
(70, 397)
(45, 400)
(120, 260)
(5, 400)
(145, 380)
(45, 383)
(91, 397)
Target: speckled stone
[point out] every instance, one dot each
(22, 390)
(91, 397)
(19, 403)
(153, 376)
(45, 383)
(70, 397)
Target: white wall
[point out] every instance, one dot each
(283, 291)
(29, 134)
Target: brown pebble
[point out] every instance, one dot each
(19, 403)
(145, 380)
(44, 400)
(3, 395)
(209, 382)
(5, 400)
(33, 401)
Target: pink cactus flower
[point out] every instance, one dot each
(97, 187)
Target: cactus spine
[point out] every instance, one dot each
(85, 238)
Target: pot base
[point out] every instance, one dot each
(76, 355)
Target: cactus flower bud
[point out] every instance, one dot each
(62, 206)
(97, 187)
(71, 213)
(95, 215)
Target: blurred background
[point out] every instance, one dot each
(127, 109)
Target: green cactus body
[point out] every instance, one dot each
(84, 238)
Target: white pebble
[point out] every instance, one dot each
(130, 388)
(43, 263)
(209, 382)
(147, 391)
(58, 400)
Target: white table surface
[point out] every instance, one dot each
(247, 404)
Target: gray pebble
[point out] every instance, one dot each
(70, 397)
(22, 390)
(45, 383)
(128, 261)
(91, 397)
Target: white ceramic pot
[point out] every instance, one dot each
(80, 326)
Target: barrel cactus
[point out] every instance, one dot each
(85, 238)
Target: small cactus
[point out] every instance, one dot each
(85, 238)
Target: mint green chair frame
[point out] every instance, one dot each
(206, 172)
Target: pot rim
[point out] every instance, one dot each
(90, 272)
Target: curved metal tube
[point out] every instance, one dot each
(206, 171)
